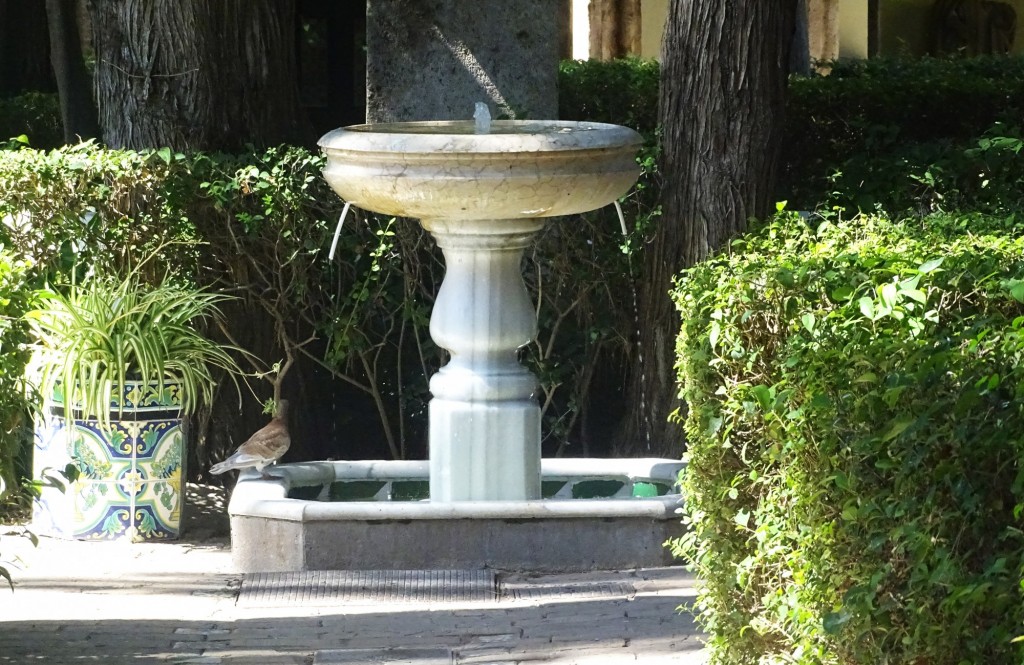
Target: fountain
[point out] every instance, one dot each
(483, 189)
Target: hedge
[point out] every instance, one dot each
(904, 135)
(856, 441)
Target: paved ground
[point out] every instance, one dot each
(177, 603)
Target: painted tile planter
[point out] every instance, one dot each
(131, 474)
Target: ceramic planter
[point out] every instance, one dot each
(130, 485)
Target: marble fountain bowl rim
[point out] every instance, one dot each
(446, 172)
(444, 138)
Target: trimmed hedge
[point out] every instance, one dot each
(15, 438)
(856, 441)
(904, 135)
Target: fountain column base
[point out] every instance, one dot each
(484, 418)
(483, 452)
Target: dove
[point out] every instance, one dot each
(263, 448)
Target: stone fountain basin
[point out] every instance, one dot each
(445, 171)
(272, 532)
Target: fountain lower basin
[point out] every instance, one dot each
(273, 532)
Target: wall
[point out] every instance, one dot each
(653, 15)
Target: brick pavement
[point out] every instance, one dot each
(176, 603)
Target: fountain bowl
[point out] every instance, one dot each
(445, 171)
(601, 514)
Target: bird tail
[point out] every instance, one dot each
(221, 467)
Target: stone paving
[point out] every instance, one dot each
(177, 603)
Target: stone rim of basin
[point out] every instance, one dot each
(457, 136)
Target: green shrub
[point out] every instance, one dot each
(15, 433)
(856, 441)
(34, 115)
(896, 134)
(622, 92)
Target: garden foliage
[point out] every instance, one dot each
(15, 293)
(904, 135)
(259, 226)
(856, 435)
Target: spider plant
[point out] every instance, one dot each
(95, 336)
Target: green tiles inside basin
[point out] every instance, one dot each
(549, 488)
(419, 490)
(644, 489)
(306, 492)
(410, 490)
(596, 489)
(356, 490)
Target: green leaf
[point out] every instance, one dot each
(765, 397)
(842, 293)
(1017, 291)
(915, 294)
(713, 334)
(742, 518)
(809, 321)
(867, 307)
(898, 427)
(164, 154)
(930, 265)
(888, 295)
(833, 622)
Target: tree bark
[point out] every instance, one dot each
(723, 83)
(77, 110)
(196, 74)
(614, 28)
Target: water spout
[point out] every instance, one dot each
(482, 117)
(622, 219)
(337, 231)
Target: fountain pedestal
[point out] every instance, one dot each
(484, 418)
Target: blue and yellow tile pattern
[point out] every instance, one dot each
(130, 485)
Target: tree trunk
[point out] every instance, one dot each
(565, 30)
(196, 74)
(614, 28)
(77, 110)
(723, 83)
(823, 31)
(23, 48)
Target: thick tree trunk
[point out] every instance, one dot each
(723, 83)
(614, 28)
(565, 30)
(23, 48)
(196, 74)
(77, 110)
(823, 31)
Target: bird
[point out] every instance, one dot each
(263, 448)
